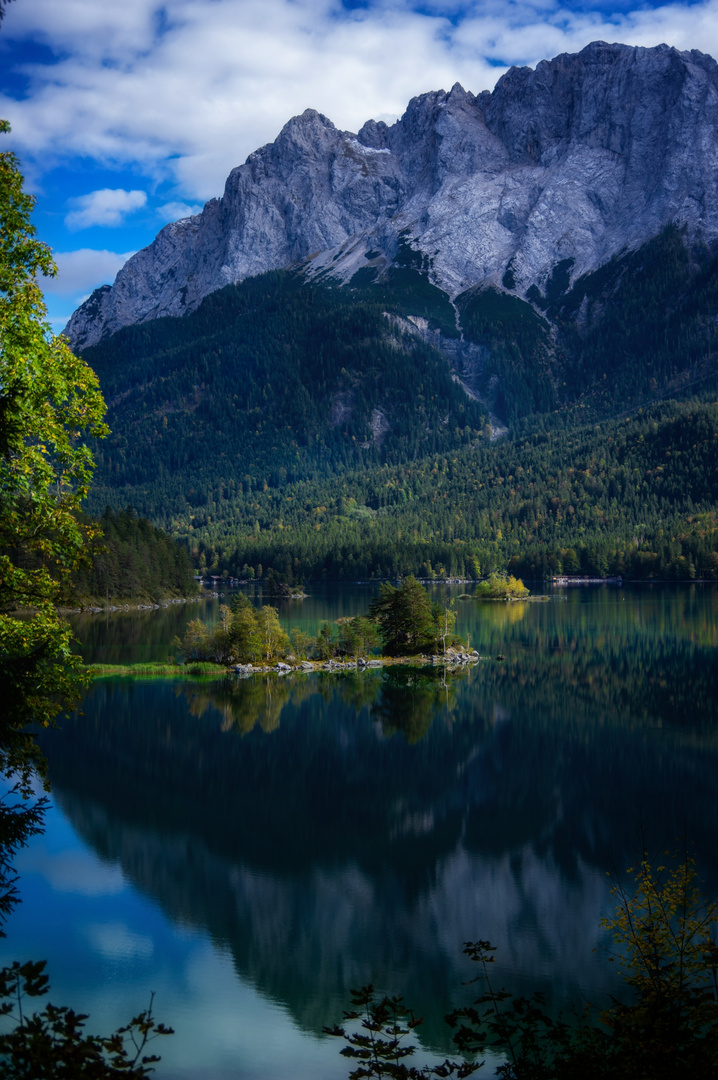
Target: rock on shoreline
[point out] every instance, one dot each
(454, 658)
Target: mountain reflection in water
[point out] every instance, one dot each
(332, 830)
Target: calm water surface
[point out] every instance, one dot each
(252, 849)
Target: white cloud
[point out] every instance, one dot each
(108, 206)
(115, 941)
(174, 211)
(83, 270)
(73, 872)
(186, 89)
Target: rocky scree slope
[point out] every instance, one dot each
(567, 165)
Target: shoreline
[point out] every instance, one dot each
(94, 608)
(453, 660)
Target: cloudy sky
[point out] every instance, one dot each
(128, 115)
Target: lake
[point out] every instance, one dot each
(252, 849)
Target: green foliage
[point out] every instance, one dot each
(403, 618)
(242, 631)
(283, 589)
(326, 646)
(255, 429)
(406, 618)
(635, 497)
(129, 558)
(48, 400)
(664, 932)
(445, 621)
(498, 586)
(196, 669)
(301, 642)
(268, 382)
(244, 635)
(406, 290)
(274, 641)
(639, 327)
(665, 939)
(380, 1047)
(52, 1043)
(521, 361)
(357, 636)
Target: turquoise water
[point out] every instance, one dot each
(252, 849)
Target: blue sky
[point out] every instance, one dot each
(129, 115)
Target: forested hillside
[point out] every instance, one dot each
(311, 429)
(642, 327)
(131, 559)
(635, 497)
(267, 381)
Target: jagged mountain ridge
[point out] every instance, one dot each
(586, 156)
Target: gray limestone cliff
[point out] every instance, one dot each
(587, 155)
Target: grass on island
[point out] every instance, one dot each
(156, 670)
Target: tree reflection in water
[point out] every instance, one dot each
(337, 829)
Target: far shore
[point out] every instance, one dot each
(94, 606)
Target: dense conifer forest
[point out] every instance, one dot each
(312, 430)
(131, 558)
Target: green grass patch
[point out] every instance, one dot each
(156, 671)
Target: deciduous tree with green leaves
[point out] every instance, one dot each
(274, 640)
(49, 400)
(498, 586)
(665, 946)
(357, 636)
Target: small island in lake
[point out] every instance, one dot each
(402, 626)
(498, 586)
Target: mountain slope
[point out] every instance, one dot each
(563, 167)
(311, 430)
(540, 262)
(317, 429)
(271, 380)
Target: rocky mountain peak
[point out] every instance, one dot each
(574, 161)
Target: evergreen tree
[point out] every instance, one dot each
(405, 617)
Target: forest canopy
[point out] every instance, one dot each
(313, 431)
